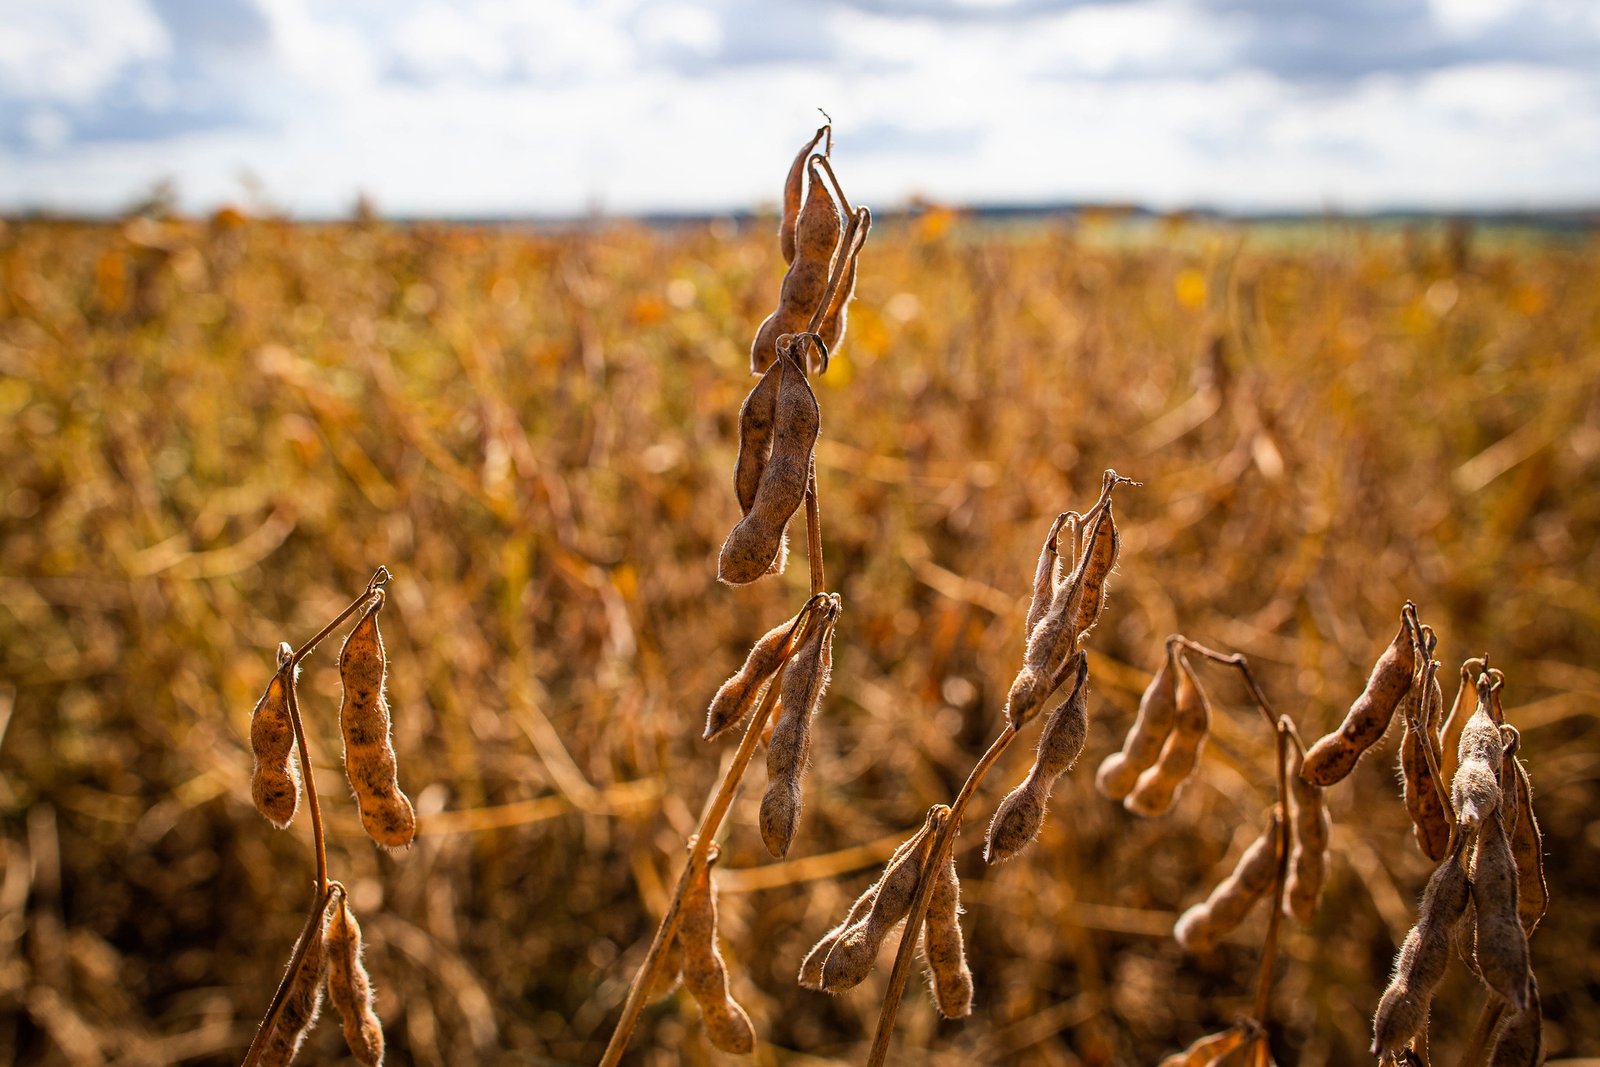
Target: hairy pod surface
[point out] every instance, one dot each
(810, 976)
(943, 947)
(738, 695)
(1334, 756)
(1157, 787)
(757, 416)
(1420, 964)
(1519, 1042)
(1205, 923)
(1020, 816)
(817, 233)
(835, 319)
(1308, 856)
(1423, 799)
(349, 988)
(1501, 946)
(275, 780)
(704, 974)
(1099, 559)
(853, 954)
(1044, 577)
(793, 189)
(754, 543)
(302, 1001)
(789, 749)
(369, 759)
(1475, 789)
(1460, 710)
(1142, 747)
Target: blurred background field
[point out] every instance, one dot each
(212, 431)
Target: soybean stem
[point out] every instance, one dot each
(319, 906)
(380, 578)
(814, 532)
(700, 846)
(1239, 663)
(1269, 949)
(919, 905)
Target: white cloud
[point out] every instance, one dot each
(70, 51)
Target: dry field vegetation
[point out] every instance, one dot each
(212, 432)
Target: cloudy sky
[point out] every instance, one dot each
(554, 107)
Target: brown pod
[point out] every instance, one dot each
(741, 691)
(817, 233)
(1099, 559)
(1142, 747)
(1424, 802)
(704, 974)
(757, 416)
(788, 752)
(1475, 789)
(942, 945)
(275, 781)
(350, 989)
(1202, 925)
(1502, 945)
(834, 320)
(369, 760)
(1020, 816)
(1051, 642)
(754, 542)
(1308, 856)
(1044, 577)
(1420, 964)
(670, 973)
(1157, 788)
(302, 999)
(1333, 757)
(853, 954)
(1519, 1042)
(793, 187)
(811, 967)
(1460, 709)
(1527, 848)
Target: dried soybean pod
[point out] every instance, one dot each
(1502, 944)
(704, 974)
(1308, 856)
(670, 973)
(754, 542)
(1420, 964)
(741, 691)
(1520, 1039)
(811, 967)
(1051, 642)
(1475, 788)
(804, 682)
(1099, 559)
(1333, 757)
(1527, 848)
(1044, 576)
(1424, 800)
(1460, 709)
(1202, 925)
(1020, 816)
(369, 761)
(1142, 747)
(349, 988)
(1157, 788)
(302, 999)
(817, 233)
(756, 418)
(942, 946)
(275, 781)
(853, 954)
(831, 328)
(793, 187)
(1206, 1050)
